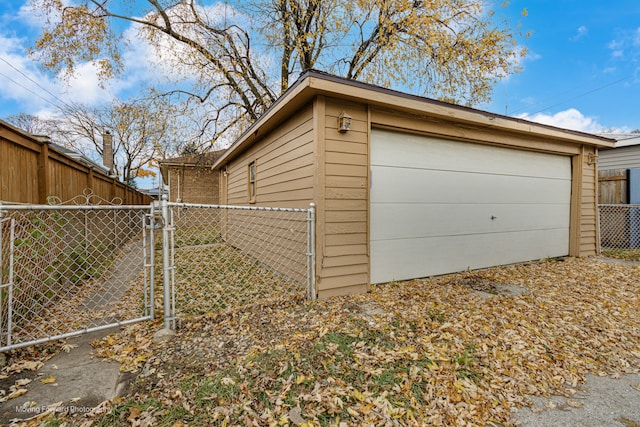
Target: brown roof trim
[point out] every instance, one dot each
(469, 114)
(314, 82)
(203, 159)
(245, 139)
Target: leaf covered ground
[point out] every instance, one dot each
(462, 349)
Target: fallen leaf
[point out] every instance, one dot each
(574, 403)
(67, 347)
(295, 415)
(48, 380)
(134, 413)
(19, 392)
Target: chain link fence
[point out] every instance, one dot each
(225, 257)
(619, 230)
(67, 270)
(72, 269)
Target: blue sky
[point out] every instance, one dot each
(582, 67)
(581, 71)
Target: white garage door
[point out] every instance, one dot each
(440, 206)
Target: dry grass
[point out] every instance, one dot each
(453, 350)
(433, 352)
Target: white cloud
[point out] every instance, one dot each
(615, 44)
(619, 53)
(21, 77)
(580, 33)
(32, 90)
(567, 119)
(84, 86)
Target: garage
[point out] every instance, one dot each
(405, 186)
(439, 205)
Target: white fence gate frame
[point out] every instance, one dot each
(69, 279)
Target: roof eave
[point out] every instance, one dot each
(314, 83)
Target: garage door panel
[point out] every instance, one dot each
(416, 151)
(408, 259)
(397, 185)
(432, 201)
(406, 221)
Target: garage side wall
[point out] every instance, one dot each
(284, 168)
(283, 160)
(343, 201)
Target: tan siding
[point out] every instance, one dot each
(341, 250)
(335, 146)
(335, 261)
(347, 205)
(284, 178)
(346, 170)
(343, 281)
(345, 261)
(589, 234)
(284, 166)
(345, 290)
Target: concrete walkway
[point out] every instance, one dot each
(76, 380)
(600, 402)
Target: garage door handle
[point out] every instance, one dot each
(493, 217)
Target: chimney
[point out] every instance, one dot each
(107, 151)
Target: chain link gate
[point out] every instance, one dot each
(220, 258)
(69, 270)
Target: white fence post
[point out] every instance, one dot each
(166, 265)
(311, 251)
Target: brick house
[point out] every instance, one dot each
(191, 179)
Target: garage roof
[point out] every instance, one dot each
(313, 83)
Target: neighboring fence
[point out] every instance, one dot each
(613, 186)
(619, 226)
(33, 170)
(66, 270)
(226, 257)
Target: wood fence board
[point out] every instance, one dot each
(31, 170)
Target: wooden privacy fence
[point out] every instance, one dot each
(32, 170)
(613, 187)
